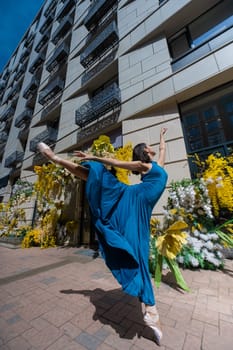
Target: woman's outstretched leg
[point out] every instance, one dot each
(73, 168)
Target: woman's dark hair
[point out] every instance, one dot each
(139, 153)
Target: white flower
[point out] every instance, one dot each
(196, 233)
(213, 236)
(209, 180)
(193, 261)
(209, 245)
(219, 178)
(180, 259)
(219, 185)
(204, 237)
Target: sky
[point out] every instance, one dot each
(15, 18)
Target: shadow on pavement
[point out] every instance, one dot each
(118, 310)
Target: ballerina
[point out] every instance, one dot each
(121, 215)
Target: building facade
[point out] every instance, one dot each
(122, 68)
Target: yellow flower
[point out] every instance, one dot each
(170, 243)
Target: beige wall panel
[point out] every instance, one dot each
(162, 90)
(195, 73)
(156, 78)
(78, 40)
(67, 122)
(171, 7)
(132, 125)
(177, 171)
(176, 150)
(224, 57)
(81, 12)
(73, 77)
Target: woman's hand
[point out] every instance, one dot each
(163, 131)
(83, 155)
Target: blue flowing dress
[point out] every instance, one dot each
(121, 215)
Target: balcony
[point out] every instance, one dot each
(51, 90)
(104, 63)
(31, 88)
(24, 55)
(37, 63)
(66, 8)
(20, 72)
(31, 100)
(24, 117)
(15, 91)
(3, 138)
(2, 84)
(107, 38)
(29, 40)
(62, 29)
(48, 22)
(23, 132)
(59, 55)
(97, 11)
(48, 136)
(4, 181)
(43, 41)
(7, 114)
(51, 8)
(103, 102)
(51, 111)
(15, 158)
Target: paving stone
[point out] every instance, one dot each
(192, 342)
(63, 303)
(89, 341)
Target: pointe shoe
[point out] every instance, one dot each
(152, 321)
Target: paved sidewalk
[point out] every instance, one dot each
(64, 299)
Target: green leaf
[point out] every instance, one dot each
(158, 270)
(177, 273)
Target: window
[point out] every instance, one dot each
(194, 40)
(207, 122)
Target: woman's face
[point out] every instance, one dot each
(150, 151)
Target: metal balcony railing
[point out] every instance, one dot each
(66, 8)
(47, 23)
(7, 114)
(24, 117)
(3, 137)
(51, 110)
(107, 38)
(43, 41)
(62, 29)
(31, 100)
(48, 136)
(97, 11)
(23, 132)
(89, 74)
(2, 84)
(37, 63)
(51, 8)
(59, 55)
(13, 159)
(20, 72)
(99, 105)
(29, 40)
(51, 90)
(24, 55)
(32, 86)
(4, 181)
